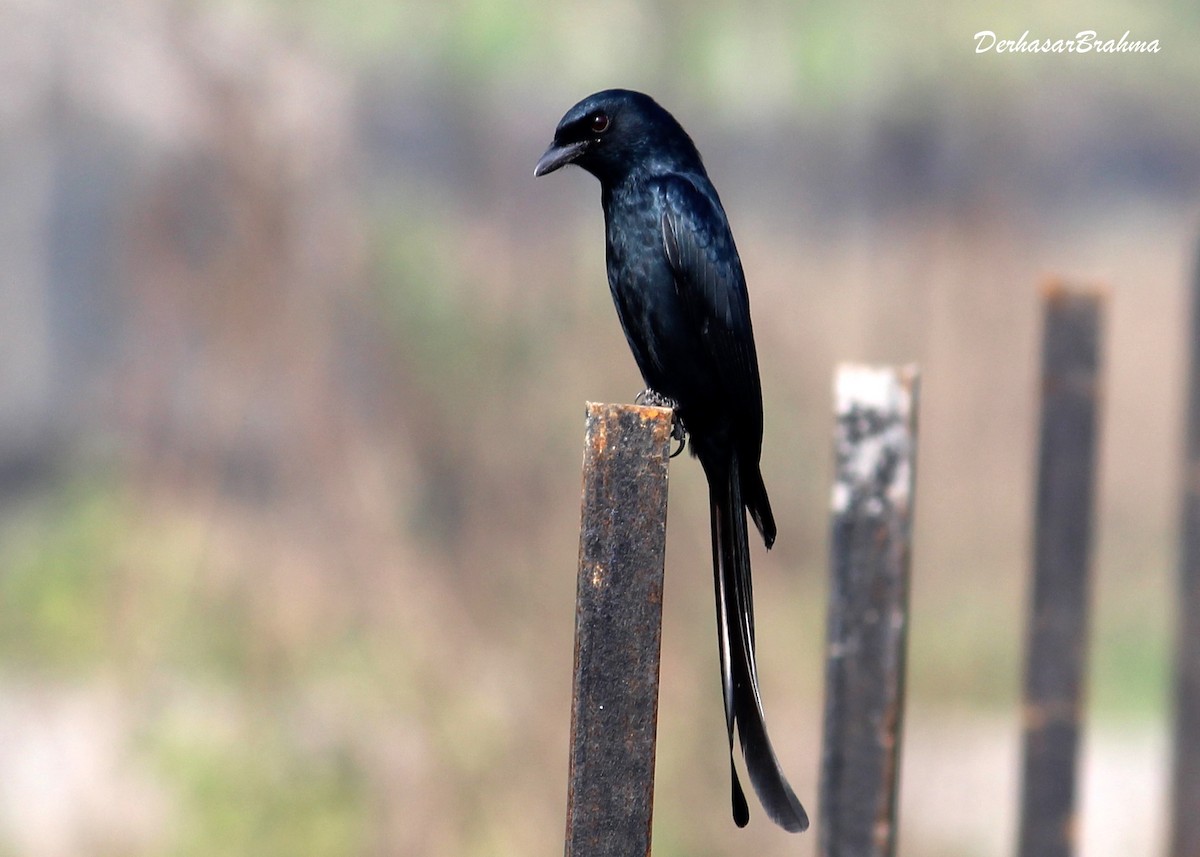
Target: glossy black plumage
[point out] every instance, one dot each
(680, 294)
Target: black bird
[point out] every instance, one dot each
(680, 294)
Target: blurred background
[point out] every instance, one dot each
(293, 358)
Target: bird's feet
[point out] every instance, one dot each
(656, 399)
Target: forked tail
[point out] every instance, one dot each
(735, 633)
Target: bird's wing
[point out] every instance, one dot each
(710, 283)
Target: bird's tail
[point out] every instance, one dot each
(754, 496)
(735, 630)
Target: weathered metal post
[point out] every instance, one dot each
(618, 629)
(875, 446)
(1185, 810)
(1057, 632)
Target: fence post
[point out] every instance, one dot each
(1057, 630)
(875, 448)
(1185, 822)
(618, 629)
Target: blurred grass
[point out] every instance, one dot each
(1132, 635)
(61, 557)
(94, 583)
(95, 589)
(256, 793)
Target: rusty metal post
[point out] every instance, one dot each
(618, 629)
(875, 448)
(1057, 632)
(1185, 810)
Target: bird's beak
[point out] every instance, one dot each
(559, 156)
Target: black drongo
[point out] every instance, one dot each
(680, 294)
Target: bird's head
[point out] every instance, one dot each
(615, 131)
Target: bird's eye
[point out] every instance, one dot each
(600, 123)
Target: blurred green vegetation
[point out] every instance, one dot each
(60, 581)
(89, 587)
(763, 58)
(92, 589)
(258, 794)
(453, 347)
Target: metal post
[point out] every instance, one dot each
(1057, 632)
(1185, 822)
(875, 446)
(618, 629)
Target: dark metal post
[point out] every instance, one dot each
(1057, 632)
(618, 628)
(875, 446)
(1185, 811)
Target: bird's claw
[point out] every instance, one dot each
(656, 399)
(678, 433)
